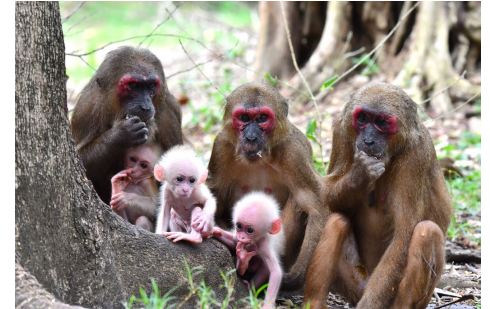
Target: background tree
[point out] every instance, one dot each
(79, 250)
(427, 52)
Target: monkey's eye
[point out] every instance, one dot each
(132, 85)
(244, 117)
(180, 179)
(263, 118)
(239, 226)
(151, 86)
(362, 118)
(144, 165)
(381, 122)
(192, 180)
(250, 230)
(132, 159)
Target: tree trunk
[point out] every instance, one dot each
(428, 51)
(65, 236)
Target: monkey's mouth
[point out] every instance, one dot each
(252, 152)
(369, 153)
(144, 118)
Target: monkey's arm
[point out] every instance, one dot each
(163, 217)
(227, 238)
(96, 152)
(271, 260)
(204, 221)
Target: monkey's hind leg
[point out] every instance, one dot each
(425, 265)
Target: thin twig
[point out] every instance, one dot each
(77, 23)
(453, 110)
(137, 37)
(463, 298)
(435, 95)
(312, 97)
(471, 268)
(210, 83)
(73, 12)
(158, 26)
(377, 46)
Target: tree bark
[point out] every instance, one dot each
(78, 249)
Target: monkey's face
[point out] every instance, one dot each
(136, 93)
(183, 185)
(374, 129)
(253, 125)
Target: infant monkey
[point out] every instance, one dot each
(258, 240)
(187, 205)
(134, 189)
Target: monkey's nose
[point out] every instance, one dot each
(368, 142)
(251, 138)
(145, 108)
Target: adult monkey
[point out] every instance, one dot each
(125, 104)
(259, 149)
(383, 245)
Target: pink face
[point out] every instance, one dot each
(139, 159)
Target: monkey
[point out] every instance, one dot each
(259, 149)
(125, 104)
(383, 244)
(258, 240)
(135, 189)
(186, 203)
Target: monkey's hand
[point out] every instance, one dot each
(203, 223)
(121, 180)
(121, 200)
(130, 132)
(367, 170)
(243, 257)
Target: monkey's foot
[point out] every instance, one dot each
(178, 236)
(291, 281)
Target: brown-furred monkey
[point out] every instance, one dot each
(125, 104)
(259, 149)
(383, 244)
(135, 189)
(186, 204)
(258, 241)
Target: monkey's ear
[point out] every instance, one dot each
(99, 82)
(158, 172)
(203, 177)
(275, 227)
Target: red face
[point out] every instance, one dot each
(136, 93)
(374, 129)
(253, 125)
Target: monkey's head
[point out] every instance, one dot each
(379, 117)
(134, 78)
(257, 115)
(141, 159)
(182, 170)
(256, 215)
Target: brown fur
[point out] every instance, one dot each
(98, 114)
(374, 256)
(286, 168)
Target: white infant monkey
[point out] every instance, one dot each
(186, 204)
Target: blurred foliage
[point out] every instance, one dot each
(96, 24)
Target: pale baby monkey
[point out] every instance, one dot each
(187, 206)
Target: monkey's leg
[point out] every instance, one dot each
(193, 237)
(335, 261)
(144, 223)
(425, 265)
(293, 233)
(122, 214)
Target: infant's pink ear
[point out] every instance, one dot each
(203, 177)
(158, 172)
(275, 227)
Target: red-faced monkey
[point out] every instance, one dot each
(383, 245)
(258, 149)
(125, 104)
(187, 205)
